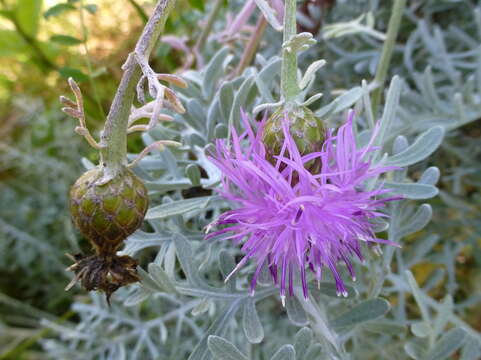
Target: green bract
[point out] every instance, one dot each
(107, 213)
(307, 130)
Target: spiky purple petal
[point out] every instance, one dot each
(287, 217)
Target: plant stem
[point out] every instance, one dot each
(252, 45)
(318, 322)
(289, 87)
(387, 50)
(114, 135)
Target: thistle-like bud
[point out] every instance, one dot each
(106, 213)
(306, 129)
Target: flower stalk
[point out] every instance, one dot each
(114, 135)
(289, 86)
(387, 50)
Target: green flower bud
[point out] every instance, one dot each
(107, 213)
(306, 129)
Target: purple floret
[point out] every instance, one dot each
(291, 219)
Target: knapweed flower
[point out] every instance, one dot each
(292, 219)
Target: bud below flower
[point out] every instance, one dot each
(306, 129)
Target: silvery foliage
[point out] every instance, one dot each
(184, 310)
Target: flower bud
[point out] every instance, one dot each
(107, 213)
(306, 129)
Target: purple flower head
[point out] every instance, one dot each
(292, 220)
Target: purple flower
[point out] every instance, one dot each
(291, 219)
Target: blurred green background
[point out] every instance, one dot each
(42, 44)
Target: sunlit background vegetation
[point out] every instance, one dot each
(42, 43)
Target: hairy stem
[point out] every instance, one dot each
(252, 45)
(289, 87)
(114, 135)
(318, 322)
(387, 50)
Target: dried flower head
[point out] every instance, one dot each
(290, 219)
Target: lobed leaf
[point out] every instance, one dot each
(365, 311)
(253, 329)
(424, 146)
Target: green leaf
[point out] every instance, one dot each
(415, 349)
(27, 14)
(416, 222)
(195, 114)
(314, 352)
(213, 71)
(147, 282)
(418, 296)
(58, 9)
(160, 277)
(286, 352)
(91, 8)
(240, 101)
(302, 342)
(471, 349)
(448, 344)
(367, 310)
(137, 297)
(269, 14)
(412, 190)
(197, 4)
(11, 43)
(342, 102)
(192, 171)
(310, 73)
(252, 325)
(226, 264)
(65, 40)
(223, 349)
(220, 131)
(226, 96)
(424, 146)
(165, 186)
(7, 14)
(265, 79)
(384, 327)
(202, 307)
(295, 312)
(177, 208)
(76, 74)
(388, 115)
(421, 329)
(201, 350)
(186, 259)
(299, 42)
(430, 176)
